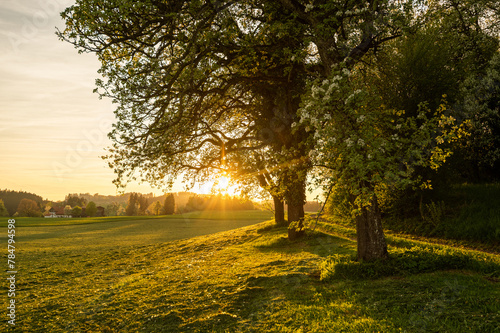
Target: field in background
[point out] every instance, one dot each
(109, 232)
(250, 279)
(209, 215)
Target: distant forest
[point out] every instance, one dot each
(11, 199)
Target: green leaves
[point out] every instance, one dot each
(366, 144)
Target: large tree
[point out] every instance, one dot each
(200, 85)
(207, 87)
(76, 211)
(387, 123)
(213, 87)
(75, 200)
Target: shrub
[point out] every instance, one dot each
(434, 213)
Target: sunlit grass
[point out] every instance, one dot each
(247, 280)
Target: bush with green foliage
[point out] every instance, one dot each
(76, 211)
(3, 210)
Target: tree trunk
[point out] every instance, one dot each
(279, 211)
(295, 211)
(370, 235)
(295, 196)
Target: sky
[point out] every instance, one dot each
(53, 128)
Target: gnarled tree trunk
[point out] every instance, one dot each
(370, 235)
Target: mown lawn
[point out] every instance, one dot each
(251, 279)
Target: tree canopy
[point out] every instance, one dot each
(28, 208)
(208, 87)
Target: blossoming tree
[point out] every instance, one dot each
(364, 146)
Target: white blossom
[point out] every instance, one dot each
(349, 142)
(361, 142)
(316, 90)
(351, 96)
(309, 7)
(336, 78)
(361, 118)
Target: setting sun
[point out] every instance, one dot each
(223, 185)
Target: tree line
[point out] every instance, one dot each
(25, 204)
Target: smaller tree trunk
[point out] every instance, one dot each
(295, 214)
(295, 196)
(279, 211)
(370, 235)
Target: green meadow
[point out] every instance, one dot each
(235, 272)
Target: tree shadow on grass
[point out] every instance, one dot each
(314, 242)
(433, 302)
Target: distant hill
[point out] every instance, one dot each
(12, 199)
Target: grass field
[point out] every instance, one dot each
(251, 279)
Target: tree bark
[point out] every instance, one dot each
(295, 196)
(295, 211)
(279, 211)
(370, 235)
